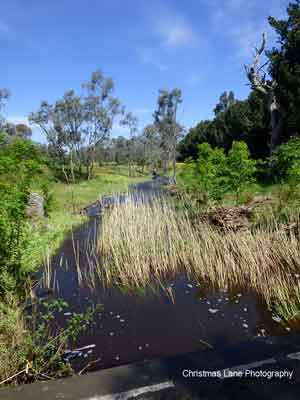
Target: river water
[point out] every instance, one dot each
(140, 326)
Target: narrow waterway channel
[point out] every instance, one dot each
(149, 324)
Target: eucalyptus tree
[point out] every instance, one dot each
(226, 100)
(170, 131)
(131, 122)
(69, 119)
(62, 123)
(153, 150)
(267, 87)
(100, 112)
(119, 150)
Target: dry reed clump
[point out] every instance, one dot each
(142, 242)
(12, 333)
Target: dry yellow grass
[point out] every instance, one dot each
(140, 243)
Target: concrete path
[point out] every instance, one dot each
(266, 368)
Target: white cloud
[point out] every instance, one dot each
(176, 34)
(243, 22)
(172, 28)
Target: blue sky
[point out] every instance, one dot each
(200, 46)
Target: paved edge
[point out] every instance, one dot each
(129, 381)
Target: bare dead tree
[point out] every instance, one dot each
(257, 78)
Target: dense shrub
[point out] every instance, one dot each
(19, 164)
(214, 173)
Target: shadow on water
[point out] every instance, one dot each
(150, 324)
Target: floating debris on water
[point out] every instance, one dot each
(276, 319)
(89, 346)
(245, 326)
(245, 309)
(117, 358)
(213, 310)
(140, 348)
(118, 316)
(147, 345)
(111, 333)
(67, 314)
(189, 285)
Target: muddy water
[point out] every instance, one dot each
(139, 326)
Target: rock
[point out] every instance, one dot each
(35, 206)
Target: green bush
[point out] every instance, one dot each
(285, 168)
(19, 163)
(285, 162)
(214, 173)
(240, 169)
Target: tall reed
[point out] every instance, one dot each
(141, 242)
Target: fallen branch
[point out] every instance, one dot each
(26, 370)
(90, 364)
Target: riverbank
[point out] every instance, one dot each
(68, 200)
(44, 236)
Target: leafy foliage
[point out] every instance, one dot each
(236, 120)
(240, 169)
(20, 162)
(285, 67)
(38, 350)
(214, 174)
